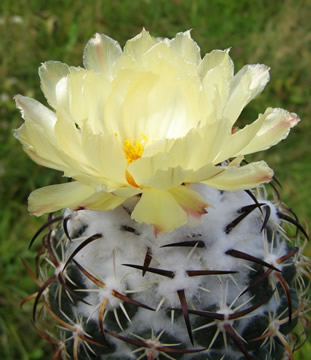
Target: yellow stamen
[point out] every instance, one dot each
(134, 149)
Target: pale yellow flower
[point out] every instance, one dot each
(147, 121)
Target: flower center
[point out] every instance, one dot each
(134, 149)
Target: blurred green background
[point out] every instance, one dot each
(276, 33)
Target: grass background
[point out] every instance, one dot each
(276, 33)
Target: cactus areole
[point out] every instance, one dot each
(168, 244)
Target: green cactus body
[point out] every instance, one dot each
(228, 288)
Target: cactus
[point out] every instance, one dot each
(230, 288)
(170, 245)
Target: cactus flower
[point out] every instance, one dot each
(147, 122)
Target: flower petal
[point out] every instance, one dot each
(55, 197)
(244, 177)
(139, 45)
(235, 143)
(158, 106)
(191, 152)
(47, 141)
(126, 192)
(50, 73)
(192, 203)
(186, 47)
(245, 86)
(70, 195)
(38, 148)
(162, 54)
(101, 53)
(216, 71)
(68, 136)
(105, 154)
(69, 94)
(159, 208)
(102, 201)
(34, 111)
(275, 128)
(96, 89)
(165, 179)
(37, 133)
(202, 174)
(166, 210)
(217, 59)
(185, 151)
(113, 114)
(83, 95)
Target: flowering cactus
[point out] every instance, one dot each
(170, 246)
